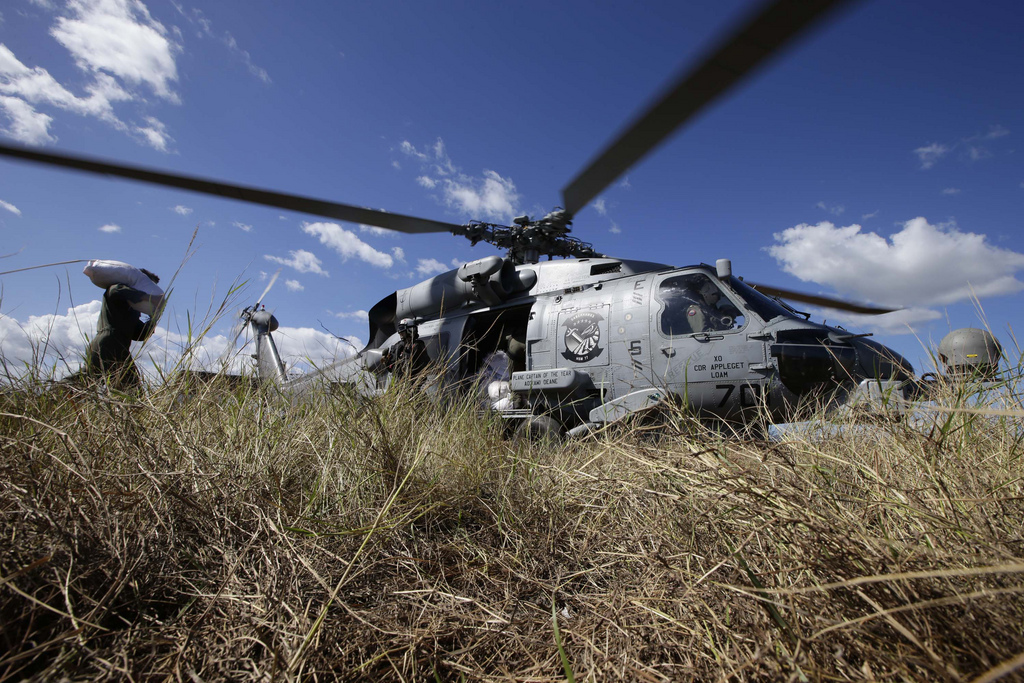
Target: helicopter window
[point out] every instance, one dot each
(765, 307)
(695, 303)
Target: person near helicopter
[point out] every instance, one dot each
(706, 313)
(407, 358)
(108, 354)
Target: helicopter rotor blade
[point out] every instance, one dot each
(273, 279)
(823, 301)
(253, 195)
(762, 37)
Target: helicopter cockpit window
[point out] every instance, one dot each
(694, 303)
(765, 307)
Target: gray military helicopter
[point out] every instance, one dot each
(588, 339)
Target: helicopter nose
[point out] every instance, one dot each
(810, 361)
(877, 361)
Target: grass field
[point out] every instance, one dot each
(217, 534)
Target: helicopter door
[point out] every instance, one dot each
(699, 347)
(441, 338)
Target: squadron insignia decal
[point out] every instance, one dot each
(582, 337)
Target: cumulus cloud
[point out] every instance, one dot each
(301, 260)
(377, 231)
(35, 86)
(119, 37)
(293, 285)
(59, 341)
(929, 155)
(903, 321)
(430, 266)
(47, 339)
(615, 229)
(110, 228)
(921, 265)
(489, 195)
(182, 210)
(600, 207)
(398, 253)
(353, 315)
(347, 244)
(24, 123)
(242, 226)
(10, 207)
(119, 46)
(154, 134)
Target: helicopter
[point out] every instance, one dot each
(589, 338)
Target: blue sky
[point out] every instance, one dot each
(875, 161)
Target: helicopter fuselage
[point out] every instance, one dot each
(587, 341)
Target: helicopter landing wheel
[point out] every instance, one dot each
(541, 428)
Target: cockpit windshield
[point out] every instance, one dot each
(766, 308)
(695, 303)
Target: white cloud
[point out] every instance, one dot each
(59, 341)
(48, 338)
(398, 253)
(625, 182)
(353, 315)
(182, 210)
(301, 260)
(951, 191)
(38, 87)
(615, 229)
(903, 321)
(242, 226)
(293, 285)
(119, 37)
(996, 131)
(256, 71)
(835, 210)
(10, 207)
(975, 153)
(154, 133)
(921, 265)
(600, 206)
(430, 266)
(410, 150)
(930, 154)
(347, 244)
(489, 197)
(110, 228)
(869, 216)
(25, 123)
(377, 231)
(396, 165)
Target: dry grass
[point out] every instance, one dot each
(230, 534)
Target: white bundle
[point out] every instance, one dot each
(105, 273)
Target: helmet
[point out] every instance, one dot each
(710, 293)
(406, 324)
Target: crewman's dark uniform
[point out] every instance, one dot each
(109, 353)
(407, 359)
